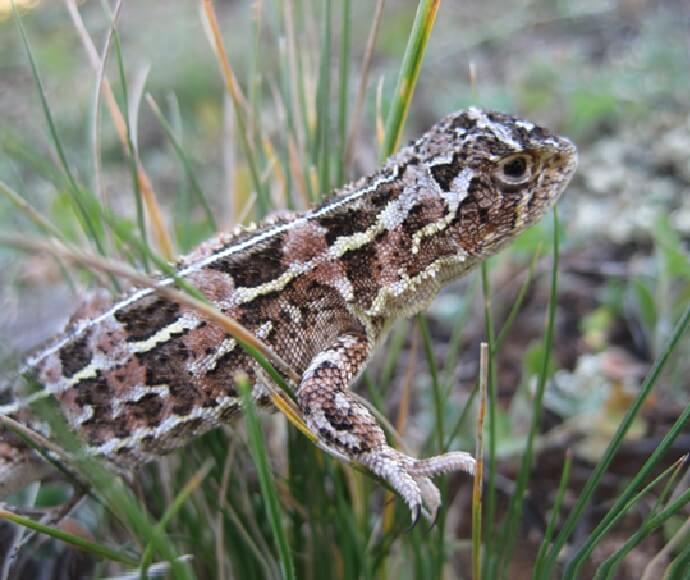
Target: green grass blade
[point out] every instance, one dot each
(626, 498)
(363, 82)
(555, 512)
(343, 89)
(173, 508)
(97, 550)
(479, 455)
(253, 68)
(186, 163)
(262, 557)
(32, 213)
(90, 219)
(393, 349)
(435, 386)
(268, 488)
(678, 569)
(607, 569)
(463, 415)
(110, 490)
(15, 148)
(321, 152)
(517, 499)
(489, 560)
(673, 471)
(517, 303)
(461, 318)
(409, 72)
(616, 441)
(138, 200)
(41, 222)
(183, 200)
(438, 546)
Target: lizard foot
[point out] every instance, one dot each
(345, 427)
(410, 478)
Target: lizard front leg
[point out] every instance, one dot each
(346, 428)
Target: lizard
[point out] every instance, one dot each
(140, 375)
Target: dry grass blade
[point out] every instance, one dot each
(479, 456)
(229, 78)
(363, 81)
(239, 102)
(32, 213)
(299, 124)
(380, 127)
(77, 541)
(96, 121)
(160, 231)
(655, 567)
(36, 439)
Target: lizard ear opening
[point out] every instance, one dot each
(515, 169)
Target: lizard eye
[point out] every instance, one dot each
(515, 169)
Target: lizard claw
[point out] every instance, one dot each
(432, 521)
(431, 497)
(415, 511)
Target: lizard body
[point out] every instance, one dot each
(141, 375)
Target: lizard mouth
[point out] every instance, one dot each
(567, 158)
(562, 162)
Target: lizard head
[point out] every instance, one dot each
(499, 173)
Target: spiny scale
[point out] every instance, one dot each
(141, 376)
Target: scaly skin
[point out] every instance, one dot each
(140, 376)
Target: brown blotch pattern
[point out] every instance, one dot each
(254, 268)
(347, 222)
(147, 316)
(304, 243)
(75, 355)
(445, 173)
(363, 271)
(220, 380)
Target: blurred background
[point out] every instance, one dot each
(614, 75)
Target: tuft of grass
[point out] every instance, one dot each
(515, 508)
(555, 512)
(609, 566)
(266, 482)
